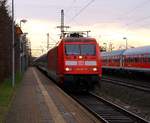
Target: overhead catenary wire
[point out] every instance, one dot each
(71, 6)
(82, 9)
(130, 12)
(138, 20)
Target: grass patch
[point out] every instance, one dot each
(6, 94)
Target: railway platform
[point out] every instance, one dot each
(39, 100)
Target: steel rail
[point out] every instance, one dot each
(126, 84)
(124, 111)
(106, 111)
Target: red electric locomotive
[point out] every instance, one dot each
(75, 63)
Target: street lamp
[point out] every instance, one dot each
(125, 38)
(13, 46)
(22, 50)
(23, 20)
(21, 46)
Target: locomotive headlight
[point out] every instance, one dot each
(94, 69)
(80, 57)
(67, 69)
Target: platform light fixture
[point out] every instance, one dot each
(22, 21)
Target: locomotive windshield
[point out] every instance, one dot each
(80, 49)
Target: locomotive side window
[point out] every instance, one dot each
(88, 49)
(145, 59)
(136, 59)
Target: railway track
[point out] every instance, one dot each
(106, 111)
(132, 84)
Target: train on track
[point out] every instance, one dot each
(74, 63)
(131, 60)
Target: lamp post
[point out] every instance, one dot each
(13, 48)
(21, 42)
(125, 38)
(22, 52)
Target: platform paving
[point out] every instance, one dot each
(39, 100)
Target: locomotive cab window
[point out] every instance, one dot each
(88, 49)
(80, 49)
(72, 49)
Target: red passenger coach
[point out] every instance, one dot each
(137, 59)
(75, 62)
(132, 60)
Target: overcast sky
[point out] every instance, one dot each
(108, 20)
